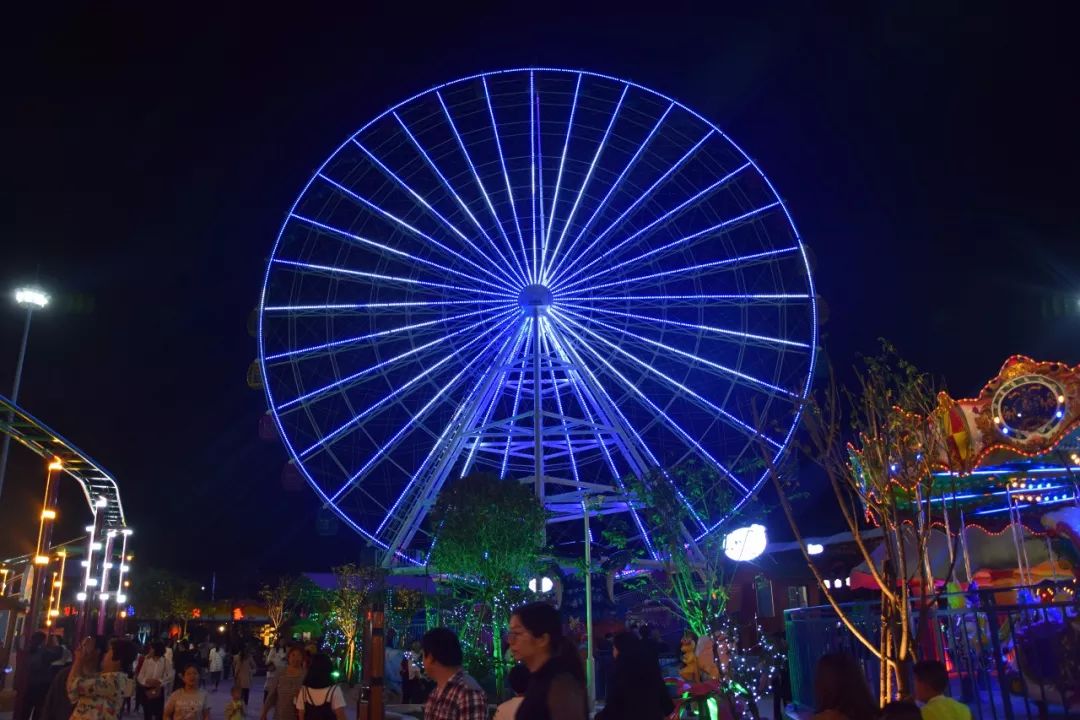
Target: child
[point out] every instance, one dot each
(235, 710)
(931, 681)
(518, 678)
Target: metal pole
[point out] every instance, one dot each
(103, 584)
(590, 664)
(37, 568)
(538, 409)
(15, 396)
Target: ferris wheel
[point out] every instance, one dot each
(554, 276)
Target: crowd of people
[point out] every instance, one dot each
(172, 681)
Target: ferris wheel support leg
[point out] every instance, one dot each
(429, 488)
(538, 410)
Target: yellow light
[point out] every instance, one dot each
(54, 613)
(1061, 399)
(127, 583)
(123, 613)
(48, 623)
(56, 583)
(61, 553)
(48, 514)
(41, 559)
(997, 420)
(56, 464)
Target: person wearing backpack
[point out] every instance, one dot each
(319, 698)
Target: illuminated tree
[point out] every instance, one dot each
(278, 598)
(489, 534)
(346, 602)
(884, 476)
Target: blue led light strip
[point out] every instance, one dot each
(453, 228)
(380, 305)
(585, 182)
(516, 282)
(647, 401)
(330, 270)
(707, 296)
(487, 199)
(693, 326)
(532, 174)
(614, 186)
(495, 396)
(517, 395)
(442, 437)
(326, 440)
(574, 381)
(735, 261)
(558, 398)
(667, 246)
(624, 421)
(558, 182)
(379, 334)
(645, 195)
(732, 419)
(506, 177)
(690, 356)
(314, 394)
(500, 285)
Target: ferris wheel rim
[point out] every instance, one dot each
(811, 345)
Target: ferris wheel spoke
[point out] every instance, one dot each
(701, 362)
(558, 182)
(506, 177)
(532, 172)
(644, 399)
(326, 441)
(721, 227)
(483, 191)
(370, 308)
(360, 274)
(517, 396)
(702, 401)
(394, 219)
(400, 253)
(467, 466)
(379, 334)
(576, 385)
(351, 380)
(602, 205)
(645, 195)
(625, 422)
(504, 266)
(411, 423)
(668, 216)
(453, 228)
(753, 338)
(725, 264)
(585, 182)
(558, 402)
(693, 299)
(468, 405)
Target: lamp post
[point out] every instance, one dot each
(32, 299)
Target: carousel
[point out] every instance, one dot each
(1004, 552)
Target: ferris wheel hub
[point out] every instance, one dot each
(535, 297)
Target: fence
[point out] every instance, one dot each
(1006, 660)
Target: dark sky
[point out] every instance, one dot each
(928, 155)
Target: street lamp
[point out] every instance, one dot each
(32, 299)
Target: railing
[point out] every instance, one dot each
(1007, 661)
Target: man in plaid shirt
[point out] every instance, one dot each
(457, 696)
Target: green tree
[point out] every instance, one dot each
(489, 534)
(164, 596)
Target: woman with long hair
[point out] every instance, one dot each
(557, 679)
(95, 684)
(287, 682)
(244, 668)
(840, 690)
(320, 697)
(637, 690)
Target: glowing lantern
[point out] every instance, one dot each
(746, 543)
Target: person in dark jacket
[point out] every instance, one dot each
(556, 688)
(637, 690)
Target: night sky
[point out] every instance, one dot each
(928, 156)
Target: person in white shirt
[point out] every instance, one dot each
(152, 678)
(217, 664)
(518, 680)
(276, 660)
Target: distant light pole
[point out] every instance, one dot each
(32, 299)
